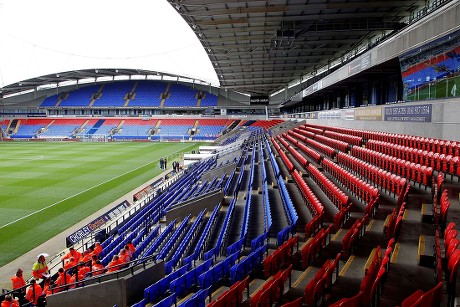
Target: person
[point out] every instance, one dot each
(17, 280)
(98, 268)
(97, 248)
(128, 252)
(76, 276)
(83, 269)
(9, 301)
(131, 246)
(70, 263)
(62, 280)
(33, 292)
(86, 255)
(161, 163)
(40, 268)
(123, 256)
(94, 258)
(47, 288)
(114, 265)
(166, 163)
(72, 253)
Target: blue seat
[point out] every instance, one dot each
(167, 301)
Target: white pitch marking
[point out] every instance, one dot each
(58, 202)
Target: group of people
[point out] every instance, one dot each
(176, 166)
(76, 267)
(163, 163)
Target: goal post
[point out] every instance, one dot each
(100, 138)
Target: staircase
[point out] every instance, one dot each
(13, 125)
(98, 93)
(80, 129)
(133, 94)
(162, 103)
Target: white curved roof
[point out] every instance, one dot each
(52, 36)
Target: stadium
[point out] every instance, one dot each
(274, 153)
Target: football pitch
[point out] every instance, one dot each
(46, 187)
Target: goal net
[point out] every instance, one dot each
(94, 138)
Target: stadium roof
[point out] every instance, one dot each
(259, 47)
(254, 47)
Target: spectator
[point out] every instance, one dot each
(86, 255)
(162, 163)
(166, 163)
(9, 302)
(71, 262)
(33, 292)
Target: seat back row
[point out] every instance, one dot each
(429, 144)
(440, 162)
(413, 171)
(297, 139)
(357, 186)
(323, 280)
(272, 289)
(387, 180)
(313, 246)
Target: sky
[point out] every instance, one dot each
(40, 37)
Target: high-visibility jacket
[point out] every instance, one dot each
(33, 292)
(62, 280)
(17, 282)
(75, 254)
(97, 249)
(114, 265)
(86, 257)
(98, 269)
(39, 269)
(131, 248)
(124, 258)
(84, 270)
(73, 279)
(70, 264)
(13, 303)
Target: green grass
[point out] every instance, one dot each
(437, 90)
(47, 187)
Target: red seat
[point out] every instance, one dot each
(296, 303)
(412, 299)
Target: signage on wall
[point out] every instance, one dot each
(411, 113)
(83, 232)
(260, 99)
(369, 113)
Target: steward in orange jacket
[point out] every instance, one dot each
(33, 292)
(114, 265)
(17, 280)
(72, 253)
(10, 302)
